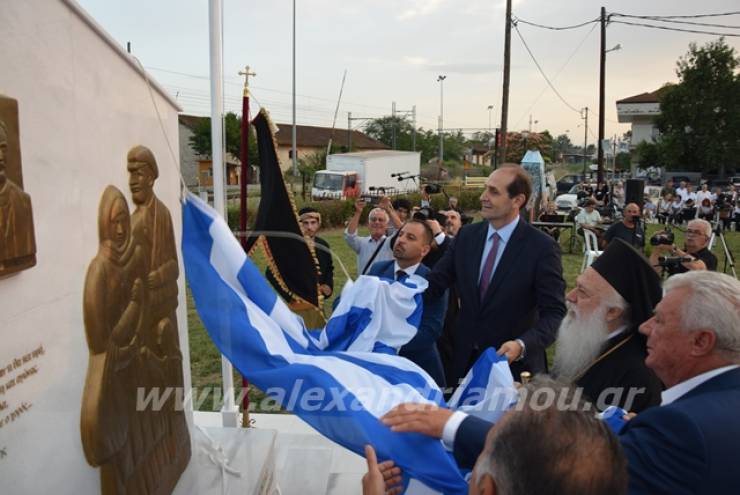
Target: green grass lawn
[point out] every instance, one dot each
(205, 360)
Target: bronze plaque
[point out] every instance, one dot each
(17, 240)
(129, 303)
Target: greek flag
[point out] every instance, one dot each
(330, 379)
(488, 390)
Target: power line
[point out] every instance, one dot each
(554, 28)
(675, 21)
(557, 73)
(543, 72)
(694, 16)
(666, 28)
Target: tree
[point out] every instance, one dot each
(560, 146)
(518, 144)
(700, 116)
(200, 141)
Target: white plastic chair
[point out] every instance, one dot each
(590, 249)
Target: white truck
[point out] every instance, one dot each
(367, 173)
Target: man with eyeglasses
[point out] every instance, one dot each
(696, 247)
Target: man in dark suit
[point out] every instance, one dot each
(412, 244)
(509, 280)
(690, 443)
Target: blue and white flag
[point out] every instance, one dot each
(341, 393)
(488, 390)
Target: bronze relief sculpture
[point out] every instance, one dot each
(129, 304)
(17, 241)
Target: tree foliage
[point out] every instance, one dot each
(700, 116)
(427, 141)
(518, 143)
(200, 141)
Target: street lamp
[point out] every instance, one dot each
(440, 80)
(490, 136)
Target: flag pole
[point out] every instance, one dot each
(244, 184)
(229, 411)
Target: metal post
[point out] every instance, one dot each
(393, 125)
(585, 141)
(602, 73)
(413, 132)
(441, 80)
(294, 150)
(507, 78)
(229, 411)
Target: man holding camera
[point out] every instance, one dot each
(629, 229)
(376, 246)
(695, 255)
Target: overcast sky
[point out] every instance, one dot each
(393, 50)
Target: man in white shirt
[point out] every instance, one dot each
(588, 217)
(376, 246)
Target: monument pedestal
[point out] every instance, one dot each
(229, 460)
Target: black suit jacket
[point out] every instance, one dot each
(525, 299)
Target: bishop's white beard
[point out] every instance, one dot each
(581, 339)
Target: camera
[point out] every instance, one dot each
(427, 213)
(663, 238)
(671, 263)
(433, 188)
(371, 200)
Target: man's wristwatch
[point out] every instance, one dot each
(524, 349)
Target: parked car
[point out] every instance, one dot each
(566, 182)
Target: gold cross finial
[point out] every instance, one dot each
(246, 73)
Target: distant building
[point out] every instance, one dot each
(197, 169)
(640, 111)
(312, 139)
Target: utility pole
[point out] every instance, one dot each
(585, 140)
(294, 150)
(602, 82)
(393, 125)
(490, 136)
(349, 132)
(505, 95)
(413, 132)
(441, 80)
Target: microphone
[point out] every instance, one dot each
(398, 174)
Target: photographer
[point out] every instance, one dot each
(629, 229)
(696, 254)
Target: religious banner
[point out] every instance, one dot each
(17, 240)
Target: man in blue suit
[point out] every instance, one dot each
(413, 242)
(509, 280)
(690, 444)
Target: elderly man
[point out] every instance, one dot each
(690, 443)
(540, 449)
(372, 248)
(629, 229)
(412, 244)
(696, 253)
(454, 222)
(598, 346)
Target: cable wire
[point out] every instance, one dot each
(554, 28)
(516, 28)
(694, 16)
(675, 21)
(666, 28)
(562, 68)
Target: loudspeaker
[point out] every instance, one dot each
(634, 191)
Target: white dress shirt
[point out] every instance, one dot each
(504, 236)
(679, 390)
